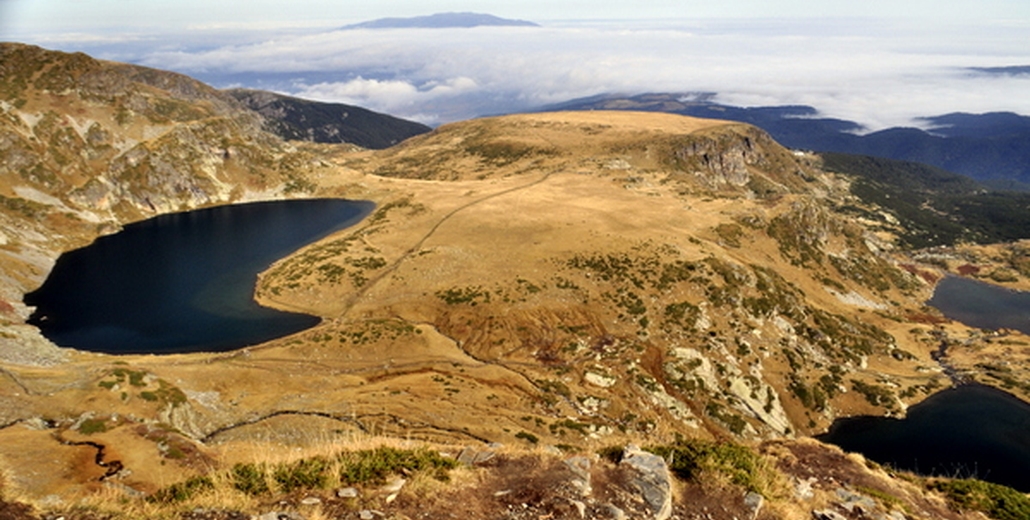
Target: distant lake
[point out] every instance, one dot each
(982, 305)
(183, 282)
(970, 431)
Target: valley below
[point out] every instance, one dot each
(531, 287)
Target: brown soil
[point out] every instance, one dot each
(16, 511)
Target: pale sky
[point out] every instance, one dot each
(878, 62)
(20, 17)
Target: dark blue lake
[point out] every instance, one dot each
(183, 282)
(967, 431)
(970, 431)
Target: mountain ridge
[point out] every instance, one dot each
(449, 20)
(988, 147)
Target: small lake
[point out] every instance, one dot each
(183, 282)
(982, 305)
(970, 431)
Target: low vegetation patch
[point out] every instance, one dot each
(349, 468)
(994, 500)
(182, 491)
(91, 426)
(876, 395)
(694, 458)
(373, 466)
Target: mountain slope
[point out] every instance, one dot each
(87, 145)
(937, 207)
(300, 119)
(989, 147)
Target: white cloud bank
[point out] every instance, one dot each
(875, 72)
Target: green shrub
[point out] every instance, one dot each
(529, 437)
(876, 395)
(612, 454)
(730, 234)
(182, 491)
(994, 500)
(370, 467)
(691, 458)
(303, 474)
(373, 466)
(732, 421)
(250, 479)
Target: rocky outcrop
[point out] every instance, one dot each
(123, 142)
(736, 157)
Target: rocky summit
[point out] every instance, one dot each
(556, 315)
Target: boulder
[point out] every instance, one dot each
(580, 468)
(649, 476)
(471, 456)
(754, 502)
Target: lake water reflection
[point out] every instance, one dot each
(183, 282)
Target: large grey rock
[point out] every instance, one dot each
(580, 468)
(610, 511)
(649, 476)
(471, 456)
(754, 502)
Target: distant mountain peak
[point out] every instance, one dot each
(1016, 70)
(442, 21)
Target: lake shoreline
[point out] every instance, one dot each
(192, 289)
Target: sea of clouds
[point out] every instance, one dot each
(879, 73)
